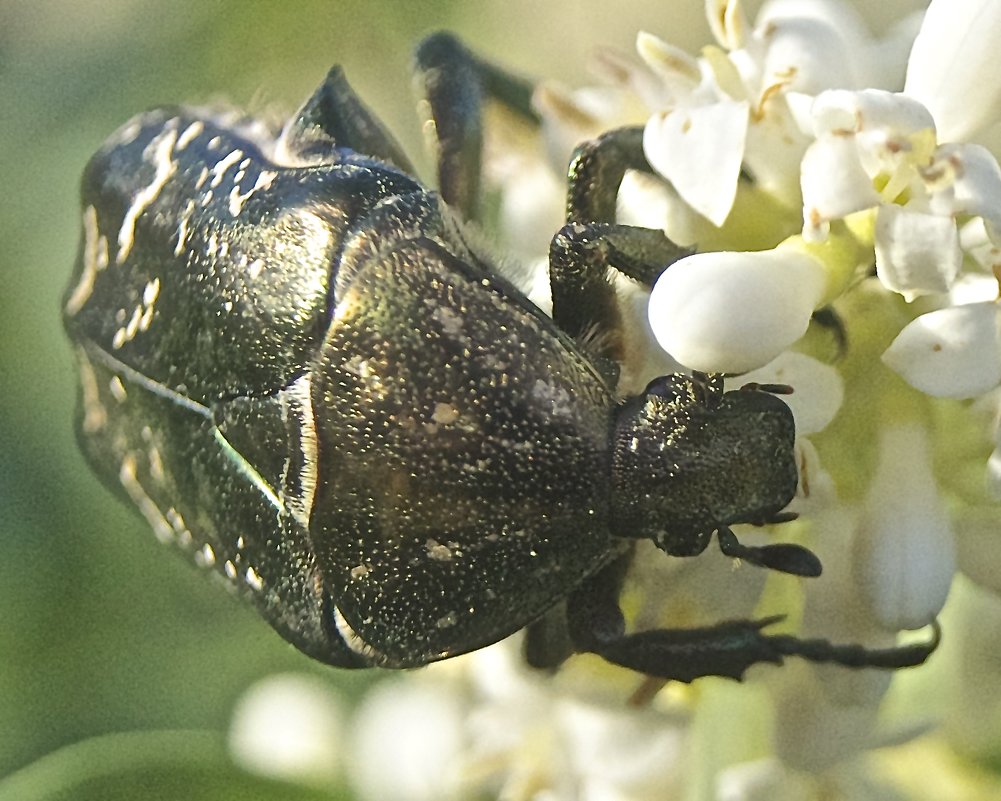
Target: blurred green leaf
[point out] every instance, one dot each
(152, 766)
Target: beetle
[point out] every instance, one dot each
(302, 367)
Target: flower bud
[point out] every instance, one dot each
(733, 312)
(904, 551)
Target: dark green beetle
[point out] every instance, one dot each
(301, 369)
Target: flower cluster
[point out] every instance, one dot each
(844, 196)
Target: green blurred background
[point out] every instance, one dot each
(102, 629)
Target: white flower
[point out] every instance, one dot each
(700, 150)
(486, 722)
(408, 740)
(916, 253)
(876, 150)
(787, 154)
(289, 726)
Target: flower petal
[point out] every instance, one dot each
(819, 388)
(950, 353)
(677, 68)
(808, 55)
(916, 254)
(700, 151)
(728, 22)
(774, 150)
(833, 182)
(734, 312)
(904, 551)
(966, 179)
(841, 111)
(954, 68)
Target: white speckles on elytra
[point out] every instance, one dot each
(142, 315)
(220, 167)
(359, 571)
(183, 227)
(188, 134)
(205, 557)
(439, 552)
(95, 416)
(117, 389)
(95, 259)
(253, 579)
(447, 621)
(444, 414)
(147, 507)
(160, 151)
(237, 200)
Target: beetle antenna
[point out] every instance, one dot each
(778, 517)
(772, 389)
(784, 557)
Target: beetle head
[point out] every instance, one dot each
(689, 458)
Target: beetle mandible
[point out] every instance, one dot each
(300, 367)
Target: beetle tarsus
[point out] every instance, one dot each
(858, 656)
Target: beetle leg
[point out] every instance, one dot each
(596, 170)
(585, 305)
(727, 649)
(334, 116)
(584, 300)
(547, 643)
(455, 84)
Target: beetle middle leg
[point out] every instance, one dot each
(596, 625)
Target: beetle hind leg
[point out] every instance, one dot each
(455, 83)
(728, 649)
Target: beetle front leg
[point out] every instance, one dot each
(585, 305)
(581, 253)
(596, 170)
(455, 84)
(728, 649)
